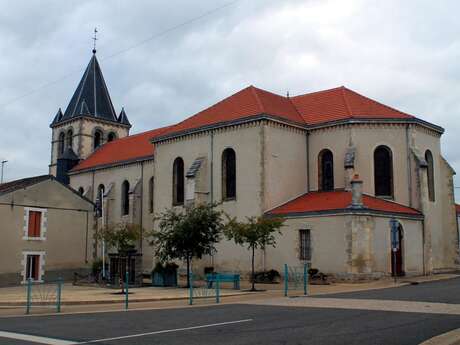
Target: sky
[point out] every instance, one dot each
(166, 60)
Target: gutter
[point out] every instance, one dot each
(263, 116)
(345, 211)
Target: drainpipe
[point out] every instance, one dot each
(142, 206)
(308, 160)
(211, 163)
(423, 247)
(409, 171)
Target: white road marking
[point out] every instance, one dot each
(35, 339)
(167, 331)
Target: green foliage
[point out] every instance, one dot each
(257, 232)
(189, 233)
(122, 236)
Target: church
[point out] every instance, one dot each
(337, 165)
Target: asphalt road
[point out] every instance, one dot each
(441, 291)
(250, 324)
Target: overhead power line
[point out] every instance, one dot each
(124, 50)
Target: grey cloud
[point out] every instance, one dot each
(404, 54)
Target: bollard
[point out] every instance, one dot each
(58, 295)
(29, 295)
(286, 277)
(190, 280)
(217, 288)
(126, 289)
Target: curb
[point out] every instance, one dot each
(449, 338)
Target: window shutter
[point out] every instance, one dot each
(35, 222)
(38, 224)
(31, 227)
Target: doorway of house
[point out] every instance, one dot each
(397, 257)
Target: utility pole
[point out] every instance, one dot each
(1, 178)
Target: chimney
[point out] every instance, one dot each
(356, 192)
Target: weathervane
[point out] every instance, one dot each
(94, 39)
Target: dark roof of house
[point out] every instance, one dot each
(91, 98)
(24, 183)
(12, 186)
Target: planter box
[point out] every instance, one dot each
(164, 279)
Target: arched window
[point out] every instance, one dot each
(69, 142)
(99, 198)
(430, 174)
(383, 172)
(151, 194)
(326, 170)
(61, 143)
(228, 174)
(125, 198)
(111, 137)
(97, 139)
(178, 181)
(81, 190)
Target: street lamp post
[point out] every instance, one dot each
(1, 178)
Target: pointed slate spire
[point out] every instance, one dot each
(57, 117)
(123, 118)
(91, 98)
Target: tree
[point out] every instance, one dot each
(255, 233)
(122, 236)
(189, 233)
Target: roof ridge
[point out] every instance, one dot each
(377, 102)
(317, 92)
(259, 101)
(390, 202)
(342, 90)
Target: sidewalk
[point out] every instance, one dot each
(76, 295)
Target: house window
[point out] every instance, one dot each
(32, 267)
(61, 143)
(151, 195)
(111, 137)
(69, 139)
(430, 174)
(125, 198)
(383, 172)
(326, 170)
(178, 181)
(305, 245)
(97, 139)
(100, 198)
(228, 174)
(35, 224)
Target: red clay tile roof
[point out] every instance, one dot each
(129, 148)
(248, 102)
(342, 103)
(457, 208)
(338, 200)
(309, 109)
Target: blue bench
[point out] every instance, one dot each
(224, 277)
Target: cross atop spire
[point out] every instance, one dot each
(94, 39)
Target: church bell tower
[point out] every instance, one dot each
(88, 122)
